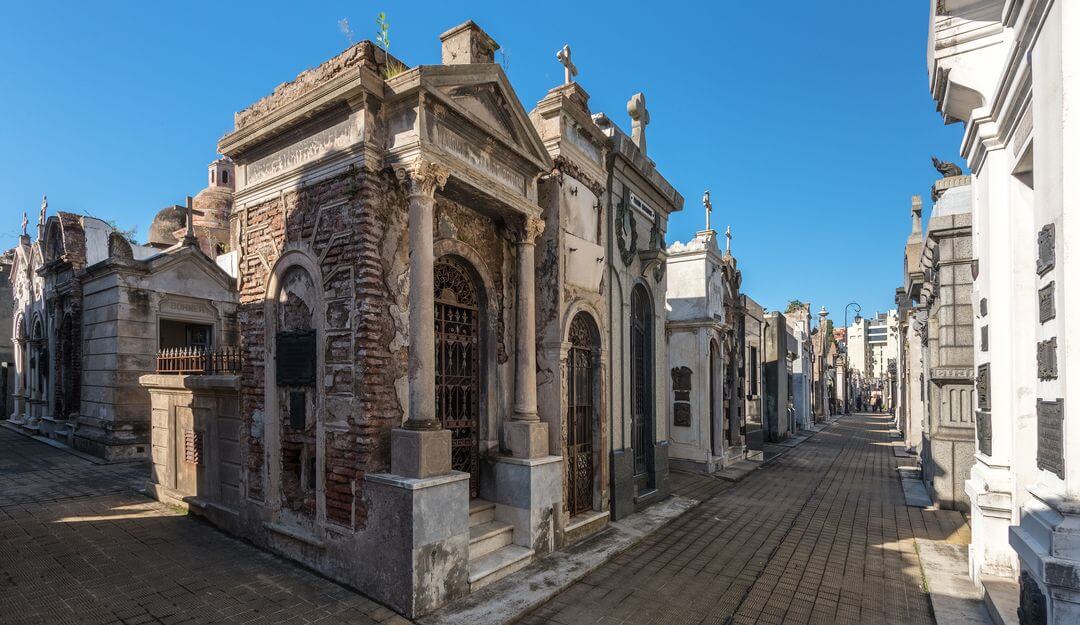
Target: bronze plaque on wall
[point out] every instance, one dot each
(984, 432)
(1046, 353)
(295, 358)
(681, 384)
(1046, 303)
(1045, 262)
(1050, 454)
(982, 386)
(682, 414)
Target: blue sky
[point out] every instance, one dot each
(810, 122)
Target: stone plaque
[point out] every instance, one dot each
(1046, 352)
(297, 410)
(1046, 303)
(983, 432)
(982, 386)
(984, 338)
(296, 358)
(1032, 610)
(681, 383)
(983, 307)
(975, 269)
(1045, 262)
(1050, 453)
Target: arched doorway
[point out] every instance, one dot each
(457, 364)
(641, 392)
(582, 393)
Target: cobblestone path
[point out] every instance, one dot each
(820, 535)
(78, 545)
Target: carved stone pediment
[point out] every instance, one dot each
(486, 103)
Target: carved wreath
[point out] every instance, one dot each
(623, 219)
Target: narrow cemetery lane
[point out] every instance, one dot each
(820, 535)
(78, 545)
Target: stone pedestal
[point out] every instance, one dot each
(989, 492)
(1048, 543)
(528, 494)
(420, 454)
(421, 527)
(527, 439)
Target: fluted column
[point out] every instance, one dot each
(526, 435)
(421, 448)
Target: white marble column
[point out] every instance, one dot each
(20, 371)
(421, 448)
(526, 435)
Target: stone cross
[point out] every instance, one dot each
(563, 57)
(707, 202)
(640, 116)
(916, 215)
(727, 233)
(25, 221)
(189, 236)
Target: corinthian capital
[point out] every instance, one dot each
(527, 230)
(421, 177)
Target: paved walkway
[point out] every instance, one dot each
(820, 535)
(78, 545)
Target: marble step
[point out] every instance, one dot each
(497, 565)
(480, 511)
(487, 537)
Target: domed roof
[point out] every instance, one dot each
(166, 222)
(213, 199)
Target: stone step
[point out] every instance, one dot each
(1002, 597)
(480, 511)
(497, 565)
(487, 537)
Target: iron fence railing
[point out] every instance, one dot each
(198, 361)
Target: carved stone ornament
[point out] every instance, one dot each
(1046, 353)
(1045, 262)
(625, 222)
(527, 230)
(1047, 311)
(421, 177)
(984, 338)
(1032, 610)
(1050, 450)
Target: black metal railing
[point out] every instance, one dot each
(198, 361)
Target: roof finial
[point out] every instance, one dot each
(25, 222)
(570, 70)
(706, 201)
(639, 116)
(727, 233)
(189, 236)
(44, 207)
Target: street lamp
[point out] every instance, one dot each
(847, 360)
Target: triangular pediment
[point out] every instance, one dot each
(482, 94)
(189, 271)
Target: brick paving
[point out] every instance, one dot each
(820, 535)
(78, 545)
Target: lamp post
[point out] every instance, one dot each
(847, 355)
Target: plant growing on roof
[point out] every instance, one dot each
(391, 67)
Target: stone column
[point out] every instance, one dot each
(421, 448)
(20, 371)
(526, 435)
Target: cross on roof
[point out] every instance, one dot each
(44, 207)
(707, 202)
(25, 221)
(640, 118)
(563, 57)
(727, 233)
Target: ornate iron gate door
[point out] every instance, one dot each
(641, 397)
(457, 370)
(580, 416)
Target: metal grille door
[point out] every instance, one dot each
(580, 417)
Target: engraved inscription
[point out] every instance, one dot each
(1045, 261)
(1050, 450)
(304, 151)
(1047, 359)
(680, 386)
(478, 157)
(1047, 311)
(984, 338)
(951, 373)
(984, 433)
(982, 387)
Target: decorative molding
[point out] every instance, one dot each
(421, 177)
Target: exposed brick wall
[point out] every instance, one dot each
(353, 225)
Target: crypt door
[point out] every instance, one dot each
(457, 365)
(581, 415)
(643, 435)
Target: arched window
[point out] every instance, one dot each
(225, 177)
(641, 386)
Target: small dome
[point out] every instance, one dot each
(166, 222)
